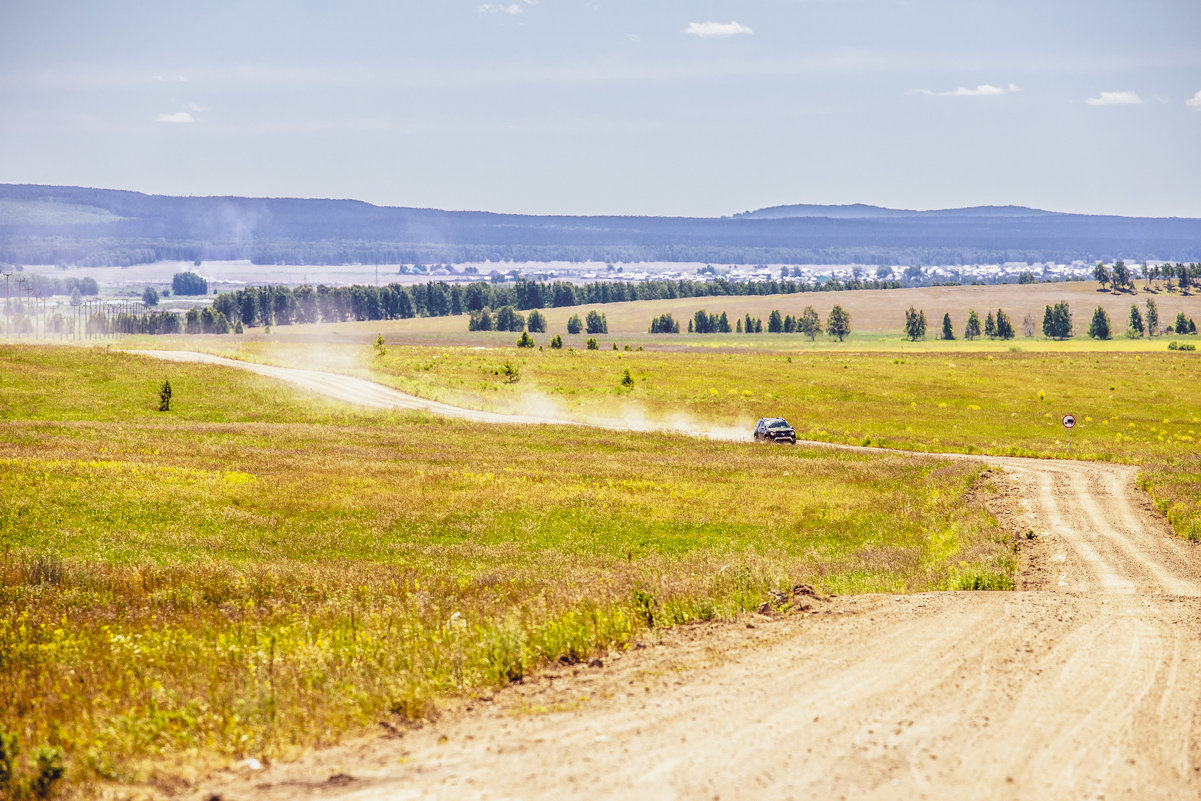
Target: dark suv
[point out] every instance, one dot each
(774, 429)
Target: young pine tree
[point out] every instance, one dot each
(1099, 327)
(972, 329)
(1004, 326)
(948, 332)
(1135, 326)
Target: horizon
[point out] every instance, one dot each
(573, 108)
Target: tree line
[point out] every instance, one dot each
(1139, 323)
(995, 327)
(808, 322)
(1057, 323)
(281, 305)
(1121, 277)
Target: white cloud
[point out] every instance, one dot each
(175, 117)
(1195, 102)
(707, 30)
(496, 8)
(1115, 99)
(983, 90)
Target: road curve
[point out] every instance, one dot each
(1083, 685)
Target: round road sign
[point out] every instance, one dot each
(1068, 421)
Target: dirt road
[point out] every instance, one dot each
(1086, 683)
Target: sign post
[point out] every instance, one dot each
(1068, 422)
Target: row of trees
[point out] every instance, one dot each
(281, 305)
(1121, 277)
(208, 321)
(506, 318)
(808, 322)
(995, 327)
(593, 323)
(1137, 324)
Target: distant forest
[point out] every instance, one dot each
(91, 227)
(281, 305)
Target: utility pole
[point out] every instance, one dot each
(7, 310)
(20, 291)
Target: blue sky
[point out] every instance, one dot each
(629, 107)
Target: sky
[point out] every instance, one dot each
(613, 107)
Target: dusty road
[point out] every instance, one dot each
(1085, 683)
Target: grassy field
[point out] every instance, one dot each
(1133, 396)
(256, 572)
(1133, 399)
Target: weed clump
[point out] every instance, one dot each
(48, 769)
(164, 396)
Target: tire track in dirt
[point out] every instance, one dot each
(1082, 687)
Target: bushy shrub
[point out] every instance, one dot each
(509, 319)
(189, 284)
(595, 323)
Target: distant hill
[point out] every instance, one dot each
(860, 211)
(74, 225)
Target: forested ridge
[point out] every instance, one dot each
(88, 227)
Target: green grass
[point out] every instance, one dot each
(1137, 408)
(255, 573)
(1131, 406)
